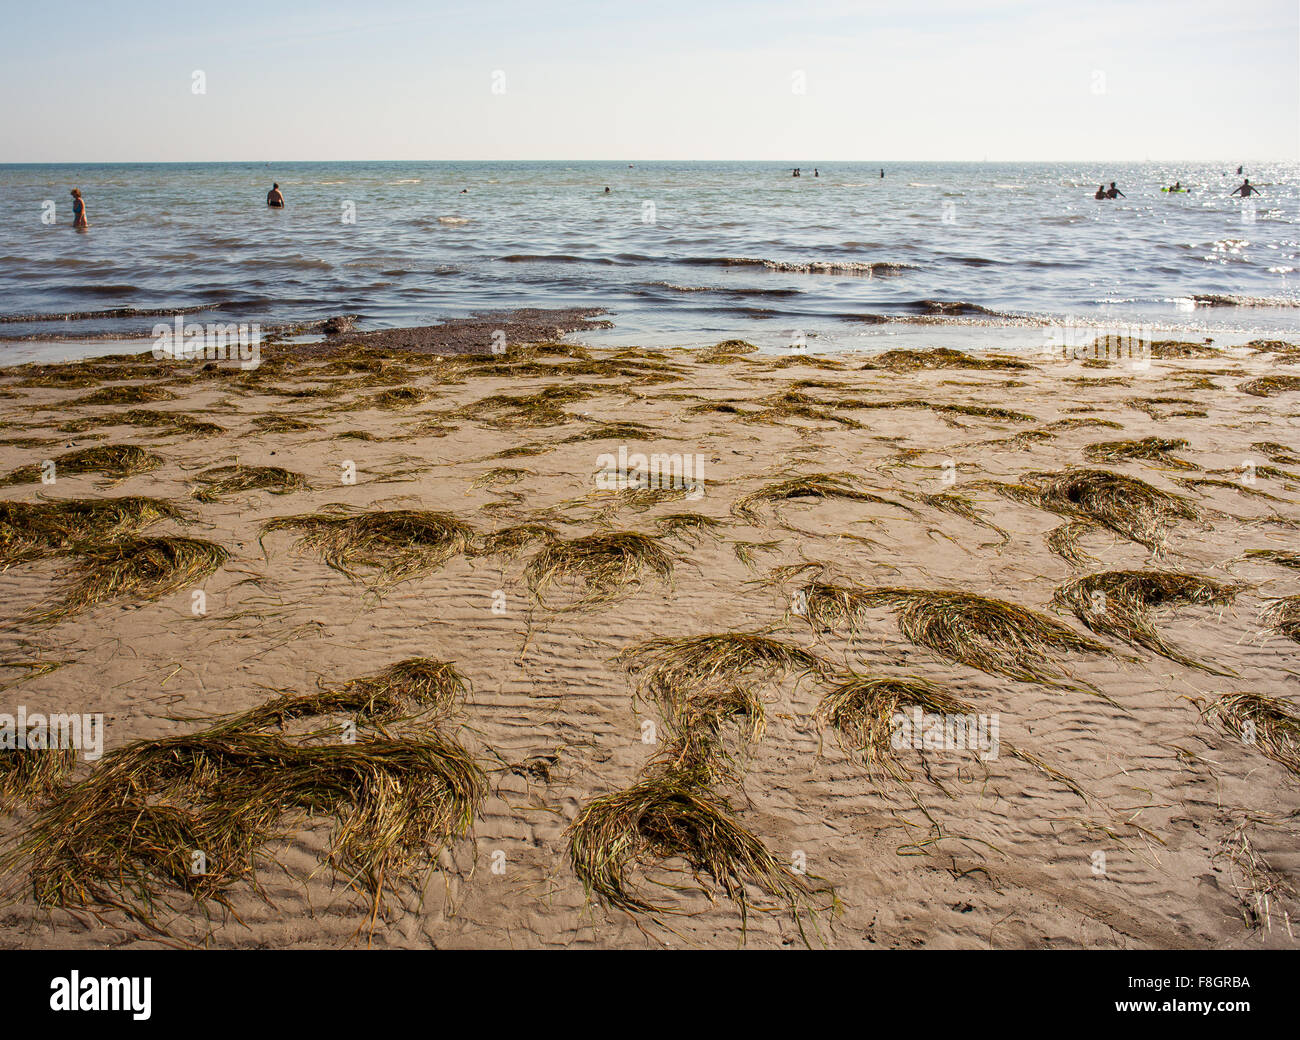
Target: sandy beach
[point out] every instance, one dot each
(985, 534)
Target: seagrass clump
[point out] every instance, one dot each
(1283, 617)
(1119, 604)
(939, 358)
(135, 567)
(670, 816)
(513, 540)
(396, 544)
(1270, 725)
(1148, 449)
(31, 776)
(1127, 506)
(417, 687)
(34, 530)
(689, 527)
(1282, 557)
(112, 460)
(613, 431)
(229, 480)
(596, 568)
(862, 710)
(1267, 386)
(146, 394)
(727, 350)
(989, 634)
(671, 669)
(125, 837)
(812, 486)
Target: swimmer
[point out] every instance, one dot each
(79, 210)
(1245, 189)
(275, 198)
(1114, 193)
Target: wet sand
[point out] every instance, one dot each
(1143, 847)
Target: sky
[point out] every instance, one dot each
(798, 80)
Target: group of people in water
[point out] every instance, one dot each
(1245, 189)
(798, 172)
(275, 197)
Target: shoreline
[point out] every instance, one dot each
(597, 328)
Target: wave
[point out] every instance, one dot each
(453, 220)
(556, 258)
(115, 312)
(1227, 300)
(951, 308)
(723, 289)
(858, 267)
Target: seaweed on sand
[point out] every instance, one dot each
(671, 669)
(989, 634)
(727, 350)
(690, 527)
(597, 568)
(511, 541)
(117, 461)
(843, 486)
(125, 395)
(1119, 604)
(502, 475)
(418, 686)
(1267, 386)
(227, 480)
(30, 776)
(398, 544)
(34, 530)
(1278, 453)
(746, 552)
(671, 815)
(171, 422)
(1282, 557)
(282, 424)
(939, 358)
(613, 431)
(124, 837)
(862, 710)
(1150, 449)
(141, 568)
(1283, 617)
(1268, 724)
(1129, 507)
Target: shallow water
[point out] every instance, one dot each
(823, 257)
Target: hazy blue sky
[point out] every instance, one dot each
(670, 79)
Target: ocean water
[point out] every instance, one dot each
(676, 252)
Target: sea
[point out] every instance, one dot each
(845, 256)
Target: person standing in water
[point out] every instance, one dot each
(1245, 189)
(79, 210)
(882, 175)
(1101, 192)
(1115, 193)
(275, 198)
